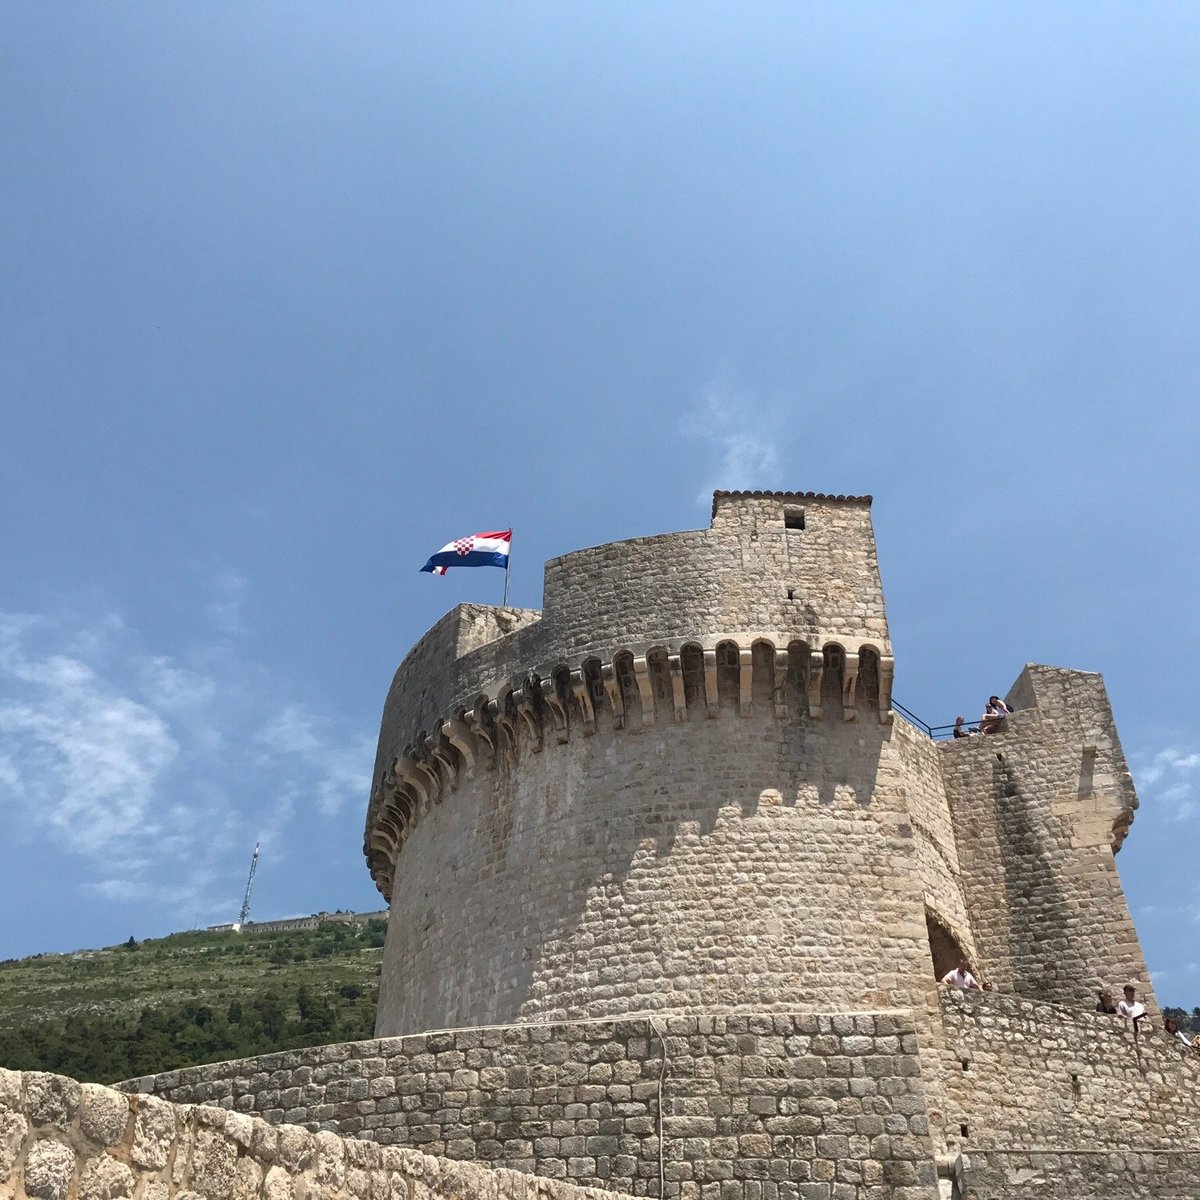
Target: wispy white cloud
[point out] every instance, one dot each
(315, 761)
(150, 770)
(1169, 777)
(743, 430)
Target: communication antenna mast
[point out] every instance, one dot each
(243, 916)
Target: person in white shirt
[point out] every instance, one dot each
(1131, 1008)
(961, 977)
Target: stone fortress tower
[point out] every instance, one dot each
(681, 787)
(671, 884)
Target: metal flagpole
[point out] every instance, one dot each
(507, 564)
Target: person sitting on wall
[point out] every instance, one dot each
(1172, 1027)
(1105, 1002)
(994, 715)
(962, 978)
(1131, 1008)
(960, 728)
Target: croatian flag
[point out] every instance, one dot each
(475, 550)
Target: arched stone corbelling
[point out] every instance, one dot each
(692, 671)
(482, 738)
(816, 674)
(555, 705)
(612, 690)
(711, 698)
(489, 730)
(675, 677)
(780, 692)
(503, 718)
(641, 677)
(444, 759)
(658, 663)
(887, 671)
(580, 690)
(849, 682)
(463, 740)
(528, 713)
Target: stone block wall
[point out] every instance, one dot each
(1039, 811)
(698, 1108)
(1081, 1175)
(1020, 1074)
(61, 1140)
(751, 866)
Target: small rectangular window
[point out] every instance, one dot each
(793, 518)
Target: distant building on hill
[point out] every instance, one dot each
(311, 922)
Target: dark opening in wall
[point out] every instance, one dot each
(793, 518)
(691, 661)
(944, 948)
(729, 675)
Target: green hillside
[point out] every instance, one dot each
(190, 998)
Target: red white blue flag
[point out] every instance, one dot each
(474, 550)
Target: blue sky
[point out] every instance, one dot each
(292, 294)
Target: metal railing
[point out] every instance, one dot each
(939, 733)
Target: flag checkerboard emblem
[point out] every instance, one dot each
(463, 545)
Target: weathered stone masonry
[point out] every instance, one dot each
(744, 1105)
(60, 1140)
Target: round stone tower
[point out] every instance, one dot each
(679, 788)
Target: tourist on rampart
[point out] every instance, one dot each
(1172, 1027)
(994, 715)
(1131, 1008)
(961, 977)
(960, 728)
(1105, 1002)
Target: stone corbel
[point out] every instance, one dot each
(746, 683)
(484, 739)
(678, 697)
(579, 690)
(779, 692)
(641, 673)
(712, 696)
(528, 715)
(612, 688)
(849, 679)
(506, 732)
(887, 671)
(816, 673)
(557, 711)
(463, 740)
(441, 758)
(418, 778)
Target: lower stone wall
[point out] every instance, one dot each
(699, 1108)
(1019, 1073)
(61, 1140)
(1081, 1175)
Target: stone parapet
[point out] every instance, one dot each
(728, 1107)
(61, 1140)
(1081, 1174)
(1019, 1073)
